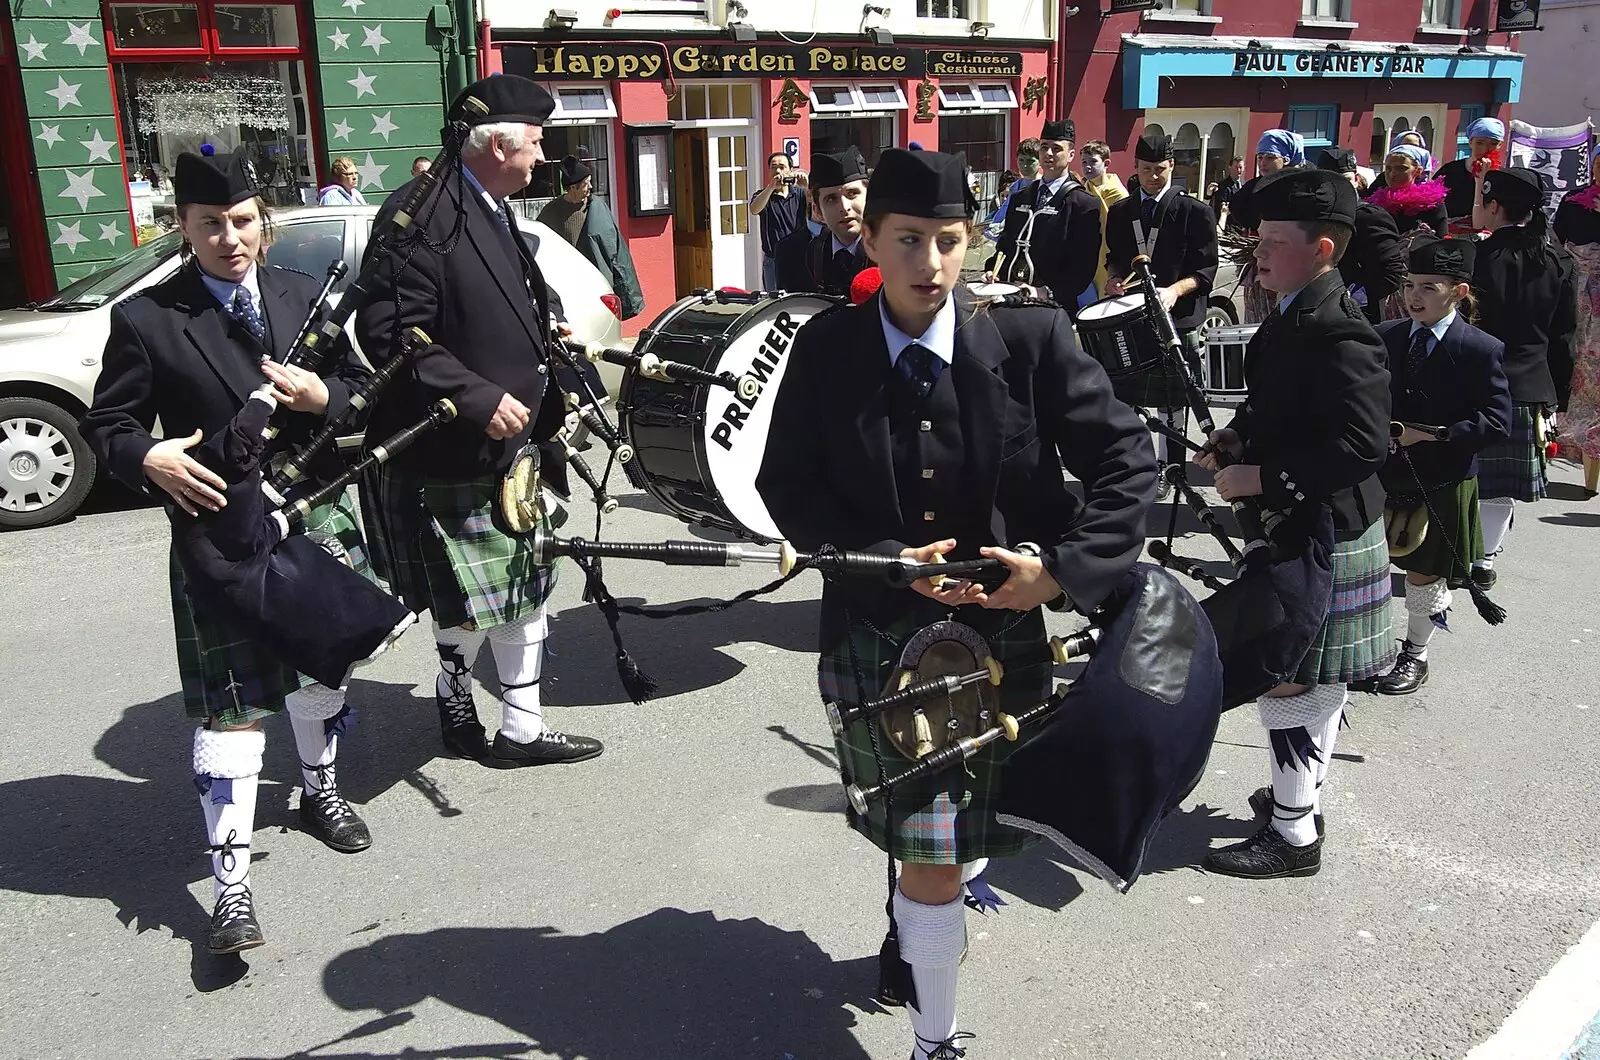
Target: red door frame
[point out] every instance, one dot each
(19, 177)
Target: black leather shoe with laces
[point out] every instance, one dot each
(1261, 806)
(459, 726)
(945, 1050)
(551, 748)
(1409, 674)
(1163, 483)
(233, 922)
(327, 815)
(1484, 576)
(1267, 855)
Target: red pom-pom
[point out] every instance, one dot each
(865, 285)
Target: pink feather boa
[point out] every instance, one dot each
(1588, 198)
(1411, 199)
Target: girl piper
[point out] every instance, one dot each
(917, 425)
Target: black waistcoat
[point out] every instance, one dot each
(926, 444)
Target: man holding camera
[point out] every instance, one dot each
(781, 209)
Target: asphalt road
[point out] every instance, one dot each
(694, 892)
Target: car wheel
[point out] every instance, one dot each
(46, 468)
(1219, 314)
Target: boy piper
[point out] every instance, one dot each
(912, 418)
(1443, 373)
(1312, 434)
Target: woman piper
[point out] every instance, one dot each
(917, 426)
(1443, 373)
(190, 351)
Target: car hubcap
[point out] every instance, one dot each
(36, 464)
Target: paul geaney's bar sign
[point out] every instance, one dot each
(1258, 61)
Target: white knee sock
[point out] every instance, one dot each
(1295, 766)
(310, 711)
(227, 766)
(1495, 515)
(458, 650)
(1423, 602)
(931, 940)
(1327, 737)
(518, 653)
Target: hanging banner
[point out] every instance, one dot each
(1559, 154)
(1515, 16)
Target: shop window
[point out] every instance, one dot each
(716, 102)
(1470, 112)
(827, 99)
(942, 9)
(1186, 157)
(590, 141)
(1441, 14)
(847, 98)
(958, 95)
(1324, 10)
(166, 31)
(150, 26)
(985, 140)
(1319, 126)
(240, 26)
(582, 102)
(883, 97)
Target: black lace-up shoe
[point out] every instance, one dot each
(1261, 806)
(459, 727)
(1484, 577)
(945, 1050)
(1409, 674)
(1267, 855)
(327, 815)
(551, 748)
(233, 922)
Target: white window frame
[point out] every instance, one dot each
(564, 115)
(1452, 16)
(1339, 19)
(858, 105)
(977, 102)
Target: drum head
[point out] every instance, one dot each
(934, 651)
(1123, 305)
(992, 290)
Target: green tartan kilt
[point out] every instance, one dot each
(1160, 387)
(948, 818)
(1515, 467)
(437, 545)
(1356, 641)
(225, 675)
(1452, 517)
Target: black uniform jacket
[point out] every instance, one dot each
(1317, 416)
(176, 354)
(487, 309)
(1459, 188)
(1461, 385)
(1376, 258)
(1187, 246)
(1030, 404)
(1064, 246)
(1578, 225)
(1528, 299)
(1434, 217)
(807, 263)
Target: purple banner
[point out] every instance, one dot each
(1559, 154)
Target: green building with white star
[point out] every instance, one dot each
(97, 100)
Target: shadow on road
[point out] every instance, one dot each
(1572, 519)
(670, 984)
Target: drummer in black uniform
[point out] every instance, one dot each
(190, 351)
(1374, 266)
(836, 254)
(1179, 234)
(913, 425)
(1057, 255)
(1527, 298)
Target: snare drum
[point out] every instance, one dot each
(1222, 370)
(698, 448)
(1121, 334)
(992, 290)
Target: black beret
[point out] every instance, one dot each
(1337, 160)
(1442, 257)
(1306, 195)
(574, 170)
(1153, 147)
(1514, 187)
(505, 97)
(213, 180)
(920, 184)
(1064, 129)
(832, 171)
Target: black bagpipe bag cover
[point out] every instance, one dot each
(1130, 740)
(307, 608)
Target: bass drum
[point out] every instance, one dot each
(698, 448)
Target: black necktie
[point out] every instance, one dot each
(1147, 212)
(920, 367)
(844, 259)
(1419, 352)
(243, 310)
(1044, 195)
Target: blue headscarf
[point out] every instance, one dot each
(1421, 157)
(1424, 160)
(1487, 128)
(1290, 146)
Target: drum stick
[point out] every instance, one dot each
(861, 798)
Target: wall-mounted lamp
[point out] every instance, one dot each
(980, 29)
(561, 18)
(878, 36)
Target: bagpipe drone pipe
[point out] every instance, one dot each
(257, 563)
(1267, 617)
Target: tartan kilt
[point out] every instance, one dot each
(1355, 642)
(1515, 467)
(1452, 511)
(1160, 387)
(225, 675)
(436, 543)
(948, 818)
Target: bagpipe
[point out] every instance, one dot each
(1266, 618)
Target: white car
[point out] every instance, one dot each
(50, 353)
